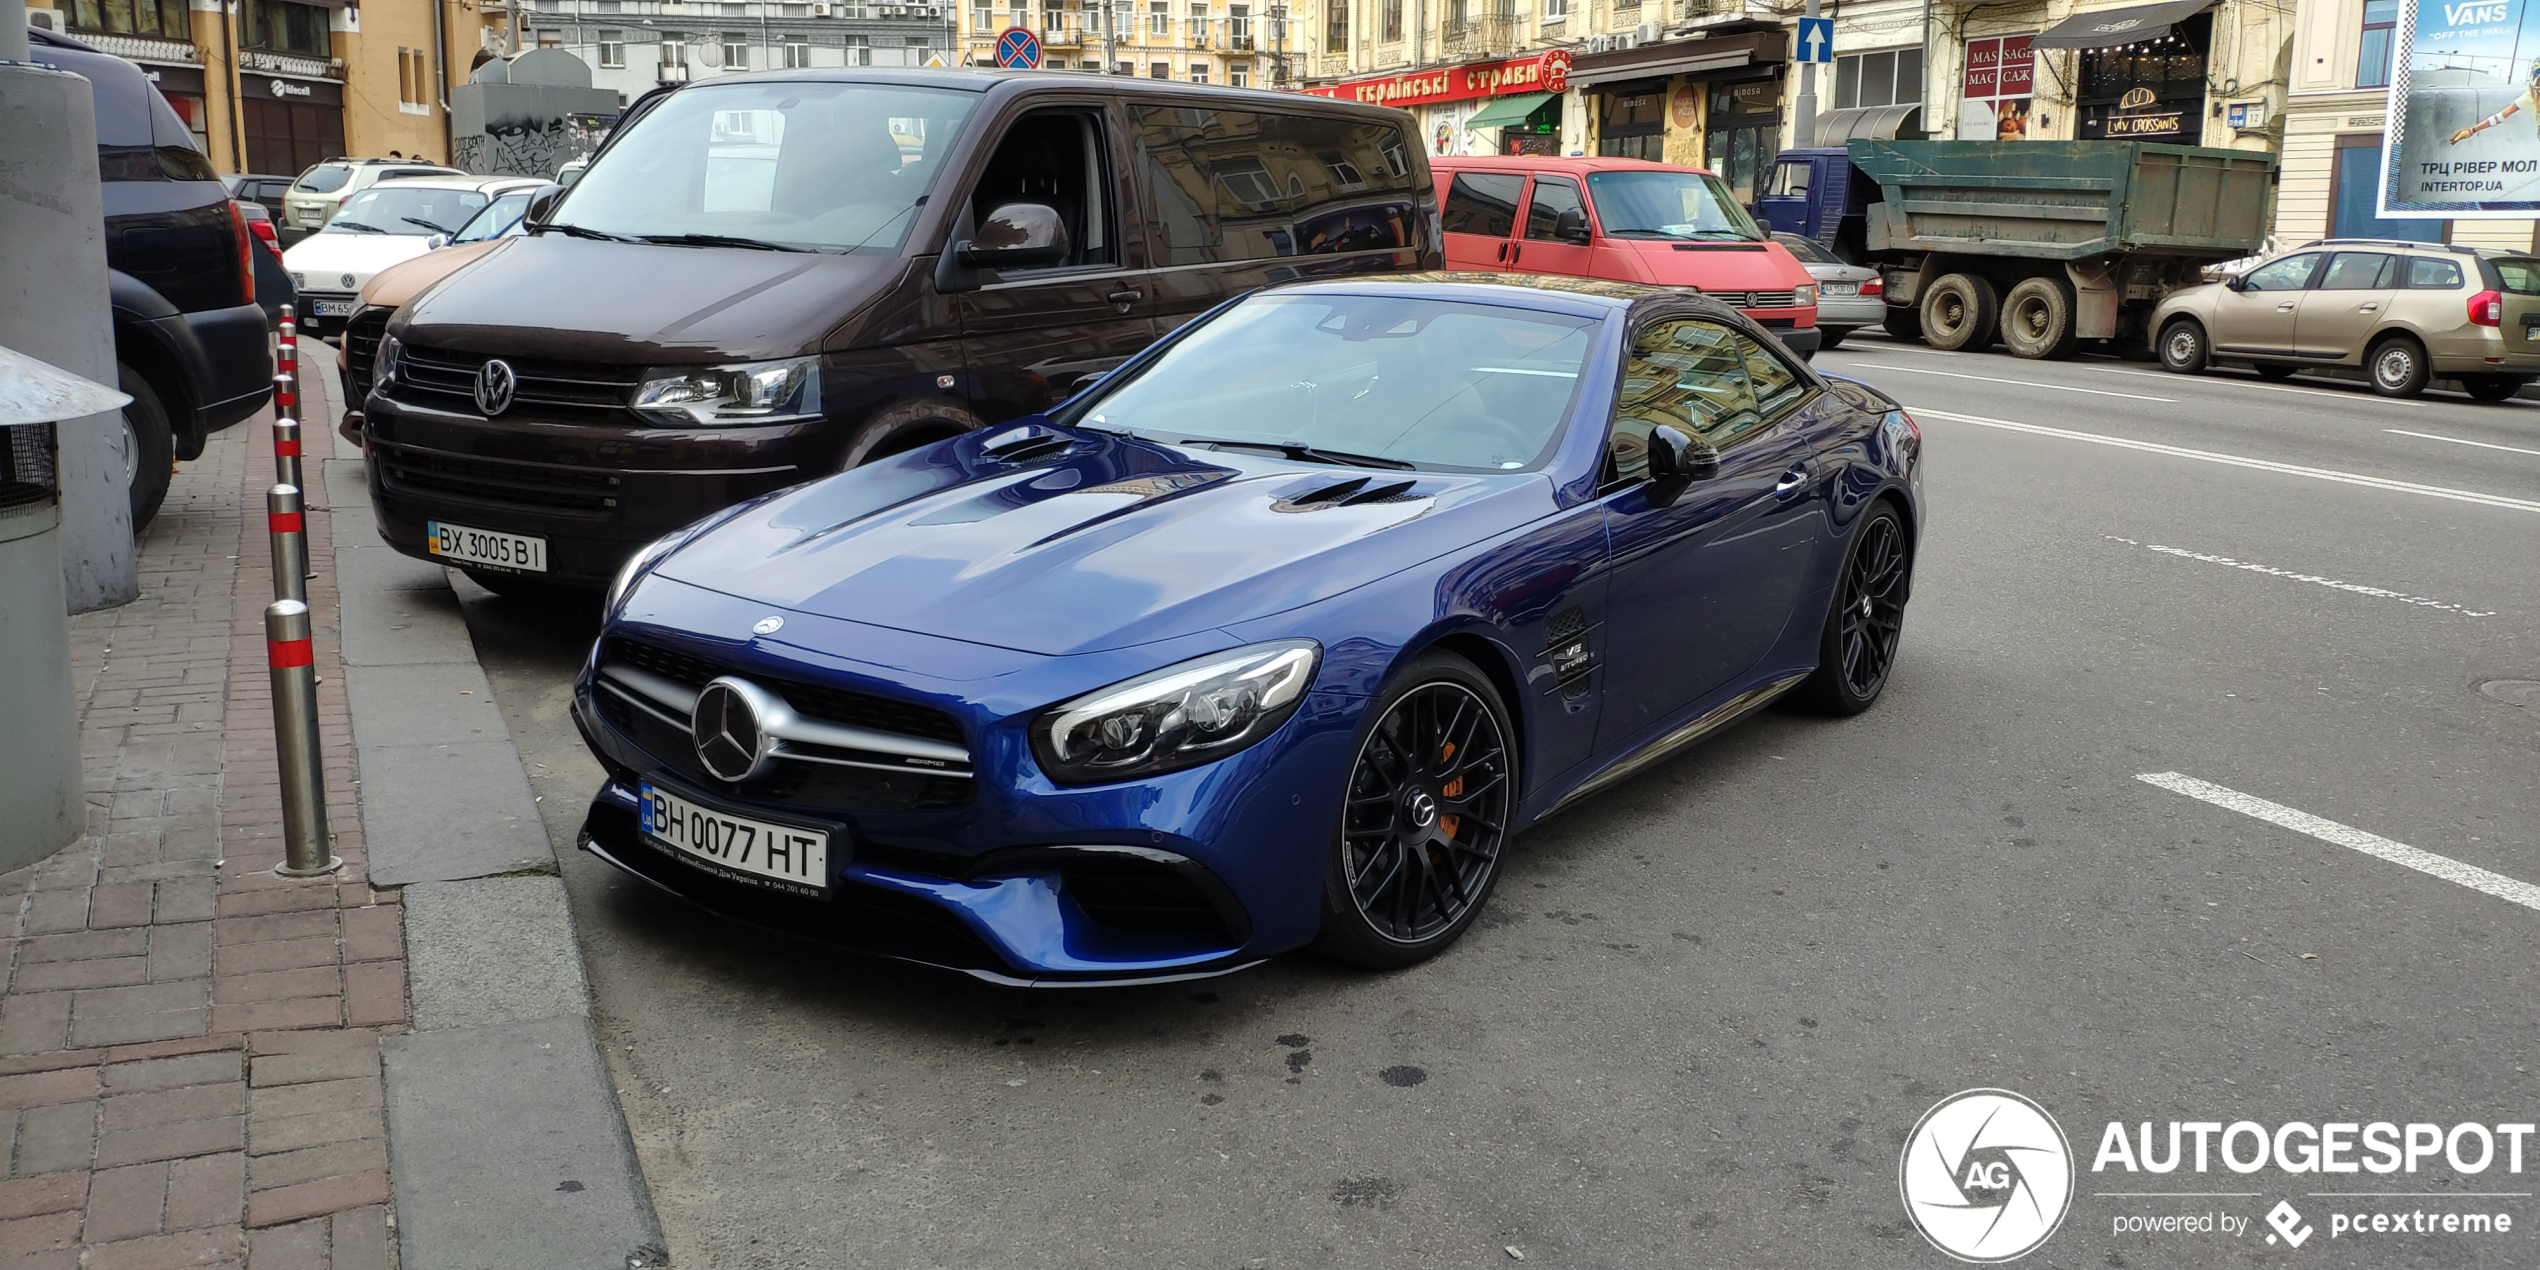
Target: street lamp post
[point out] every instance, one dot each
(1278, 14)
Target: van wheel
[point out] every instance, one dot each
(1902, 322)
(149, 445)
(2493, 388)
(2398, 367)
(1960, 311)
(2037, 319)
(1831, 336)
(905, 427)
(2182, 347)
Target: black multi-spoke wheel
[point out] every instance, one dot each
(1858, 648)
(1424, 817)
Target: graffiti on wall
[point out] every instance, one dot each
(528, 146)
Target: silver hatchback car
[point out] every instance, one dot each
(2403, 311)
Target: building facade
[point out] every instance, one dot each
(635, 46)
(1245, 43)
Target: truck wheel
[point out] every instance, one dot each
(1960, 311)
(2037, 319)
(2398, 367)
(2182, 347)
(1902, 322)
(149, 445)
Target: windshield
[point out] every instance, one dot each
(1669, 205)
(325, 178)
(405, 209)
(500, 217)
(2517, 275)
(1401, 382)
(828, 167)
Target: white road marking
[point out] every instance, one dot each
(2234, 460)
(2511, 449)
(2335, 834)
(2271, 571)
(2230, 380)
(2028, 383)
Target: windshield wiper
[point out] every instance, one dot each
(579, 231)
(354, 225)
(417, 220)
(1304, 453)
(721, 240)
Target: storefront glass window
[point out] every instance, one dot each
(2154, 90)
(1892, 78)
(287, 28)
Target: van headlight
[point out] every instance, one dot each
(1181, 716)
(1804, 294)
(756, 392)
(383, 364)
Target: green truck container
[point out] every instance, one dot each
(2041, 243)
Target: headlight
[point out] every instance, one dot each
(1181, 716)
(1805, 293)
(383, 365)
(760, 392)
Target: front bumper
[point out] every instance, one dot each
(312, 322)
(1019, 882)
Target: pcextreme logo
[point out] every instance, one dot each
(1987, 1175)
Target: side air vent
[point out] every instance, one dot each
(1354, 492)
(1021, 445)
(1565, 636)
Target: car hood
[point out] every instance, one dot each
(320, 261)
(1717, 266)
(1097, 542)
(400, 282)
(648, 303)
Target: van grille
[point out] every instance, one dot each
(567, 489)
(446, 378)
(361, 351)
(1756, 299)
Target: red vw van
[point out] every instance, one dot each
(1625, 220)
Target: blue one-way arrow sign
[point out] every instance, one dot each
(1816, 39)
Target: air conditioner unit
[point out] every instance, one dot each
(44, 20)
(1647, 33)
(820, 11)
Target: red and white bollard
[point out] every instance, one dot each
(288, 523)
(292, 658)
(286, 433)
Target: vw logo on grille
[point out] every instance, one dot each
(731, 744)
(494, 384)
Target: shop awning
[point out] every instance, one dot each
(1681, 57)
(1507, 110)
(1867, 123)
(2106, 28)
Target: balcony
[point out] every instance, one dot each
(1330, 65)
(1239, 43)
(142, 48)
(1707, 12)
(1481, 37)
(300, 64)
(1062, 39)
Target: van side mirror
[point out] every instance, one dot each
(436, 242)
(1676, 461)
(1017, 236)
(541, 203)
(1571, 227)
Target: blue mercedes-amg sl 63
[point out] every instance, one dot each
(1271, 638)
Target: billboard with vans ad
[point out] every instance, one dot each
(2464, 111)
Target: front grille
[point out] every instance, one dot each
(361, 351)
(1756, 299)
(565, 489)
(815, 701)
(446, 378)
(808, 786)
(1140, 896)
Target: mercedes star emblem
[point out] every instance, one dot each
(730, 744)
(494, 384)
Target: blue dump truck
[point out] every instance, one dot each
(2040, 244)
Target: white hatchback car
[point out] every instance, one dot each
(390, 222)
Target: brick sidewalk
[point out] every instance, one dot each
(189, 1044)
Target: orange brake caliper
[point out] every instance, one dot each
(1452, 789)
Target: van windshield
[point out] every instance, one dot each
(786, 165)
(1669, 205)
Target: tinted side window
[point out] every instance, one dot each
(1483, 203)
(2428, 274)
(1689, 374)
(2289, 274)
(1553, 196)
(1229, 185)
(2356, 271)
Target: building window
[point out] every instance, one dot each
(1159, 18)
(612, 48)
(550, 39)
(736, 50)
(1159, 70)
(1393, 20)
(1198, 29)
(551, 6)
(287, 28)
(2372, 65)
(604, 6)
(859, 51)
(1336, 27)
(983, 21)
(797, 52)
(1555, 10)
(1199, 72)
(1239, 74)
(797, 10)
(1239, 25)
(162, 18)
(1892, 78)
(915, 42)
(736, 10)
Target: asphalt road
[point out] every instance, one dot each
(1706, 1009)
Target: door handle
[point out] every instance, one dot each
(1502, 257)
(2286, 307)
(1791, 481)
(1515, 250)
(2366, 308)
(1125, 296)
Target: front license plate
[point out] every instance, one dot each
(332, 308)
(787, 857)
(1831, 288)
(462, 545)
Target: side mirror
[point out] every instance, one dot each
(541, 203)
(1675, 462)
(1018, 236)
(1571, 227)
(436, 242)
(2237, 282)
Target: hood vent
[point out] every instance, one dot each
(1358, 491)
(1022, 445)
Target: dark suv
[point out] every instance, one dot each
(190, 341)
